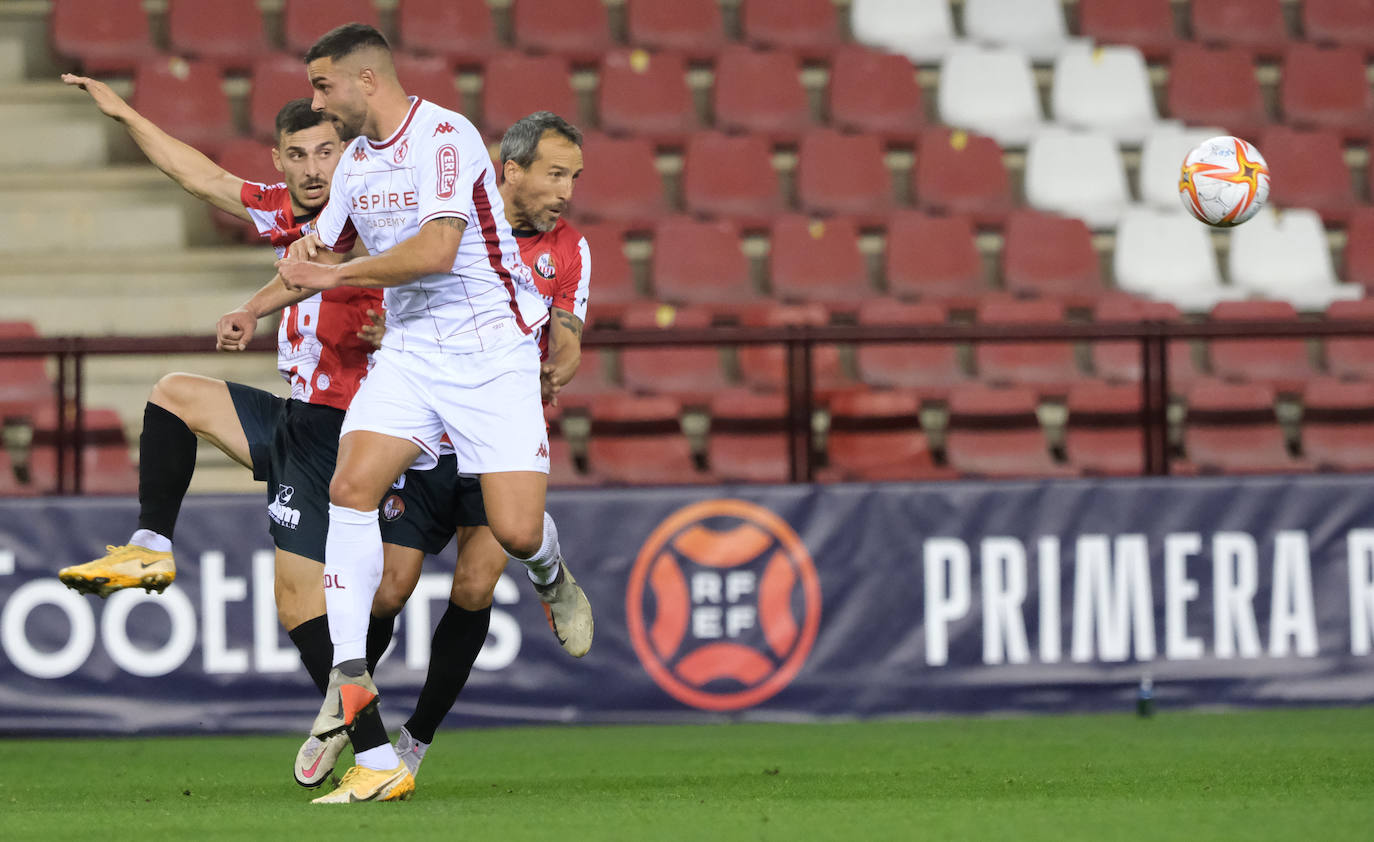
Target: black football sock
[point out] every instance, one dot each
(379, 633)
(457, 640)
(166, 461)
(317, 653)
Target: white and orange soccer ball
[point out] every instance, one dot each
(1224, 181)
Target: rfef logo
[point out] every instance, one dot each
(393, 507)
(723, 604)
(446, 169)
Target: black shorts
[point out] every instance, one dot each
(294, 446)
(424, 508)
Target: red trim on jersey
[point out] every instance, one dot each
(482, 203)
(414, 106)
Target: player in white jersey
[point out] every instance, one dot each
(459, 356)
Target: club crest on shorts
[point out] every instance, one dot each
(545, 266)
(723, 604)
(393, 507)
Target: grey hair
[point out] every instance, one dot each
(521, 141)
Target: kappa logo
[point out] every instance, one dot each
(545, 266)
(543, 451)
(401, 151)
(443, 128)
(723, 605)
(393, 507)
(359, 155)
(446, 171)
(280, 512)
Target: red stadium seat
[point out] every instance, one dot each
(731, 176)
(563, 470)
(764, 367)
(276, 80)
(461, 31)
(577, 29)
(1104, 435)
(961, 173)
(1048, 367)
(638, 440)
(933, 257)
(1338, 425)
(1254, 25)
(1232, 429)
(1050, 255)
(1359, 249)
(613, 286)
(185, 98)
(306, 20)
(1145, 24)
(928, 368)
(228, 32)
(1119, 362)
(700, 262)
(1216, 87)
(996, 433)
(1280, 363)
(1351, 357)
(507, 94)
(250, 160)
(693, 28)
(106, 464)
(810, 27)
(1315, 174)
(814, 260)
(760, 93)
(429, 77)
(592, 381)
(1326, 88)
(876, 436)
(748, 441)
(619, 182)
(105, 36)
(1340, 22)
(647, 96)
(691, 373)
(875, 92)
(24, 384)
(843, 174)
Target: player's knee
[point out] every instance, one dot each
(390, 598)
(170, 393)
(351, 492)
(472, 590)
(521, 540)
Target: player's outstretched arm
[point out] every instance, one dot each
(565, 351)
(237, 327)
(187, 166)
(430, 252)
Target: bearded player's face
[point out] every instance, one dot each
(539, 195)
(306, 159)
(339, 94)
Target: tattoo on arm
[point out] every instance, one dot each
(449, 222)
(569, 321)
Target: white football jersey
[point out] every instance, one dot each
(435, 165)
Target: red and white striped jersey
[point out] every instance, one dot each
(561, 263)
(318, 350)
(435, 165)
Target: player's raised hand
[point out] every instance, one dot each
(375, 329)
(234, 330)
(109, 102)
(299, 275)
(306, 248)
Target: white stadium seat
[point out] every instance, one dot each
(1104, 88)
(1035, 26)
(990, 90)
(1161, 158)
(1169, 256)
(1077, 173)
(921, 30)
(1284, 255)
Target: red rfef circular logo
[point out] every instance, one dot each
(723, 604)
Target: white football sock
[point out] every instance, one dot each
(382, 758)
(150, 540)
(543, 565)
(352, 570)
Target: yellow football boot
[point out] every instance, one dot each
(363, 784)
(129, 566)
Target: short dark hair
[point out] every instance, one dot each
(521, 141)
(346, 40)
(297, 116)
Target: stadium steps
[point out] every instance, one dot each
(214, 270)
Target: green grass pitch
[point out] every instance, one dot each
(1250, 775)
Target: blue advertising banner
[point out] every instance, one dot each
(783, 602)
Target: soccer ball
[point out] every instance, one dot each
(1224, 181)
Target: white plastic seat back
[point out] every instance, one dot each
(921, 30)
(1104, 88)
(1035, 26)
(1169, 257)
(1284, 255)
(990, 90)
(1077, 173)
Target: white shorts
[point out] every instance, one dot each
(487, 401)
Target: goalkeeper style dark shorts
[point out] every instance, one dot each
(424, 508)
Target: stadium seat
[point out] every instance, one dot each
(1104, 434)
(1107, 88)
(1340, 22)
(930, 369)
(620, 181)
(748, 440)
(592, 381)
(24, 384)
(694, 28)
(1169, 256)
(921, 30)
(1120, 362)
(1216, 86)
(106, 464)
(1048, 255)
(990, 90)
(843, 174)
(1315, 174)
(1231, 428)
(807, 27)
(1285, 256)
(764, 367)
(249, 159)
(646, 95)
(1253, 25)
(760, 93)
(815, 260)
(613, 283)
(507, 94)
(731, 176)
(876, 436)
(1036, 27)
(995, 433)
(276, 79)
(876, 93)
(229, 33)
(185, 99)
(576, 29)
(430, 78)
(1280, 363)
(1048, 367)
(1326, 88)
(1351, 357)
(1358, 265)
(691, 373)
(1056, 163)
(105, 36)
(1161, 156)
(1338, 425)
(306, 20)
(10, 486)
(700, 262)
(563, 470)
(1147, 25)
(961, 173)
(461, 31)
(933, 257)
(638, 440)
